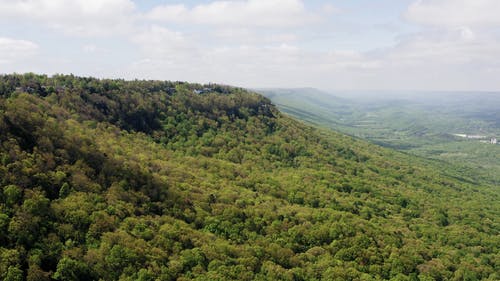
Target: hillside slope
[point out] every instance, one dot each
(150, 180)
(420, 123)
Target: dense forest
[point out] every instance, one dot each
(151, 180)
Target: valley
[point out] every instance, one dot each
(420, 123)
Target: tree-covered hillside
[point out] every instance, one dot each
(150, 180)
(420, 123)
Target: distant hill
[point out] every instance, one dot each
(157, 180)
(310, 104)
(422, 123)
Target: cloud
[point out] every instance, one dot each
(459, 58)
(329, 8)
(12, 50)
(258, 43)
(165, 45)
(76, 17)
(251, 36)
(457, 46)
(239, 65)
(255, 13)
(452, 47)
(455, 13)
(89, 48)
(171, 55)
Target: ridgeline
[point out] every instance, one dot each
(152, 180)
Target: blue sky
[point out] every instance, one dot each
(343, 44)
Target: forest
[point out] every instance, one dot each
(105, 179)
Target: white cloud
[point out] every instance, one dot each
(258, 43)
(451, 48)
(455, 13)
(90, 48)
(170, 55)
(165, 45)
(458, 32)
(256, 13)
(240, 65)
(77, 17)
(251, 36)
(458, 58)
(457, 46)
(329, 9)
(12, 50)
(93, 49)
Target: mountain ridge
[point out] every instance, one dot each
(145, 180)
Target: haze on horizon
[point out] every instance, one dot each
(386, 44)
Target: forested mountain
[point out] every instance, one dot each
(151, 180)
(421, 123)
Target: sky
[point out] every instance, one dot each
(340, 45)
